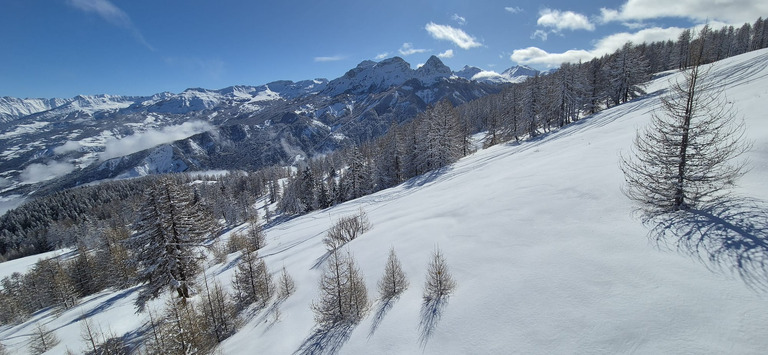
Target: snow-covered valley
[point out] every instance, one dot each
(542, 243)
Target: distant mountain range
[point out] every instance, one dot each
(48, 144)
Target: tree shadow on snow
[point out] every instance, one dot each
(326, 339)
(731, 236)
(381, 310)
(431, 311)
(321, 260)
(427, 177)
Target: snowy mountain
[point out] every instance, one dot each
(42, 140)
(12, 108)
(516, 74)
(540, 240)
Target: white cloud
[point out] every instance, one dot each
(455, 35)
(40, 172)
(334, 58)
(381, 56)
(486, 74)
(460, 20)
(535, 55)
(407, 49)
(446, 54)
(540, 34)
(67, 147)
(105, 10)
(513, 10)
(112, 14)
(564, 20)
(735, 11)
(145, 140)
(606, 45)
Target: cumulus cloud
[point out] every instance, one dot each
(513, 10)
(606, 45)
(69, 146)
(535, 55)
(112, 14)
(407, 49)
(460, 20)
(381, 56)
(455, 35)
(145, 140)
(40, 172)
(446, 54)
(736, 12)
(334, 58)
(542, 35)
(486, 74)
(564, 20)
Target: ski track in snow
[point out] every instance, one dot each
(539, 238)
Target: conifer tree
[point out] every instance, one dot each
(344, 297)
(218, 312)
(439, 283)
(686, 158)
(169, 232)
(252, 281)
(42, 340)
(394, 281)
(286, 284)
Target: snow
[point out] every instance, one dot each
(24, 129)
(545, 251)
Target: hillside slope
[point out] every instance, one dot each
(543, 246)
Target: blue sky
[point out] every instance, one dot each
(62, 48)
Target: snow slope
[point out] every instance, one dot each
(543, 246)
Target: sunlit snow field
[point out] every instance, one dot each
(540, 239)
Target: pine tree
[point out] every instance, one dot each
(252, 281)
(685, 158)
(628, 71)
(218, 311)
(394, 281)
(57, 289)
(344, 297)
(286, 285)
(439, 283)
(169, 232)
(181, 330)
(42, 340)
(89, 334)
(256, 238)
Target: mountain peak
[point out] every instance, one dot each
(433, 70)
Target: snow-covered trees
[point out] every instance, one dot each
(439, 282)
(394, 281)
(343, 295)
(628, 70)
(441, 139)
(686, 157)
(170, 230)
(217, 311)
(252, 281)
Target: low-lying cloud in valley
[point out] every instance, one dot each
(40, 172)
(145, 140)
